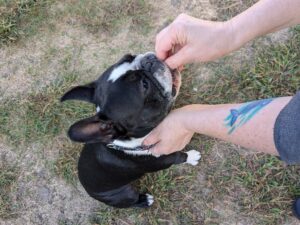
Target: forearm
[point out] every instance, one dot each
(264, 17)
(249, 124)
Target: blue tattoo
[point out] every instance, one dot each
(239, 117)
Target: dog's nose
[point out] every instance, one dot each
(151, 56)
(151, 63)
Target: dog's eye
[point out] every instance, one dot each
(131, 77)
(145, 84)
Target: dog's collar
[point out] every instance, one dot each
(137, 148)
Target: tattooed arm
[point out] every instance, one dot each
(248, 124)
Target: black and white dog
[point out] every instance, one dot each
(132, 97)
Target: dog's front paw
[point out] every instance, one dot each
(193, 157)
(150, 199)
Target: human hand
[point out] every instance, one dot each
(193, 40)
(171, 134)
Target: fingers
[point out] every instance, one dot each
(156, 150)
(171, 44)
(179, 59)
(164, 43)
(151, 139)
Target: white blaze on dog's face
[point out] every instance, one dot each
(157, 68)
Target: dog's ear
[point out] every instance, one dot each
(83, 93)
(92, 130)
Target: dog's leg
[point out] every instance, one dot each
(124, 197)
(191, 157)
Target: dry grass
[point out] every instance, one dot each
(109, 16)
(20, 17)
(66, 164)
(227, 9)
(8, 177)
(257, 188)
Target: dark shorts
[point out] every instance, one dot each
(287, 132)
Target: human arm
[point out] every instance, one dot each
(198, 40)
(214, 120)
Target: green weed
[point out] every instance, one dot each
(109, 16)
(66, 163)
(8, 176)
(20, 17)
(41, 115)
(275, 72)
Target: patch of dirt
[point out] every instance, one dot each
(223, 204)
(34, 63)
(222, 210)
(43, 198)
(7, 156)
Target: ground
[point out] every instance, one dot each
(47, 46)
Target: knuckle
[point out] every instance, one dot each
(182, 16)
(178, 25)
(173, 26)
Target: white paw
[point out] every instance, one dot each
(193, 157)
(150, 199)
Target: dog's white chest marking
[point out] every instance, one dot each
(133, 143)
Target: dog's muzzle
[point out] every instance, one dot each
(168, 79)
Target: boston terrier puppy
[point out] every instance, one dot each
(131, 97)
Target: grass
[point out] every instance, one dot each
(20, 17)
(258, 186)
(274, 72)
(109, 16)
(168, 188)
(66, 164)
(8, 177)
(261, 185)
(41, 115)
(227, 9)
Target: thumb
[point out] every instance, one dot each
(151, 139)
(156, 149)
(179, 58)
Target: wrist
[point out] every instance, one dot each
(234, 35)
(191, 116)
(231, 39)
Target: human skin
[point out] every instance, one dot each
(178, 128)
(196, 40)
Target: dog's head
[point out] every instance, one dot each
(132, 97)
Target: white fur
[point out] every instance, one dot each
(165, 80)
(193, 157)
(163, 77)
(123, 68)
(150, 199)
(120, 71)
(138, 153)
(98, 109)
(132, 143)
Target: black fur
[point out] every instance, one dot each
(130, 107)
